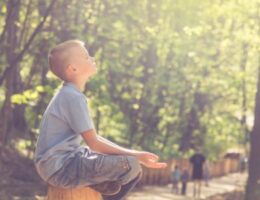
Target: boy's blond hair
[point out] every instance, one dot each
(59, 57)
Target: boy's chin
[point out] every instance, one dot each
(92, 74)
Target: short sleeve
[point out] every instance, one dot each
(76, 114)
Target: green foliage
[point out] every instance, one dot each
(30, 97)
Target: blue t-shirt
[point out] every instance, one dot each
(65, 118)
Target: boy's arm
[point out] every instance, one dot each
(102, 145)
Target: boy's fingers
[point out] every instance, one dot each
(153, 156)
(154, 159)
(158, 165)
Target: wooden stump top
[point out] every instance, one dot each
(85, 193)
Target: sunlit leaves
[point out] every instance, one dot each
(30, 97)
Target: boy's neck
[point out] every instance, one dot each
(79, 84)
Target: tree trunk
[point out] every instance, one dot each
(72, 194)
(253, 182)
(192, 125)
(14, 117)
(6, 113)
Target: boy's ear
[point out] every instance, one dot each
(71, 67)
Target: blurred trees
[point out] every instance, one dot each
(173, 75)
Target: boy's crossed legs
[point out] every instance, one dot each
(115, 175)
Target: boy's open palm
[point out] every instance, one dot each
(150, 160)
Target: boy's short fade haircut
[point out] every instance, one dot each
(59, 56)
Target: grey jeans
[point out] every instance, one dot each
(91, 168)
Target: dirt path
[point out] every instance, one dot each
(216, 186)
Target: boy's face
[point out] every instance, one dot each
(85, 64)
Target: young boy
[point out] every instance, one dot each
(60, 158)
(176, 176)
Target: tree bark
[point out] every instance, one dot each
(253, 182)
(6, 113)
(12, 118)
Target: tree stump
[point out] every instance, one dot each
(85, 193)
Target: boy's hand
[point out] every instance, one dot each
(150, 160)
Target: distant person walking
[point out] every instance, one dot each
(197, 161)
(184, 181)
(243, 163)
(176, 176)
